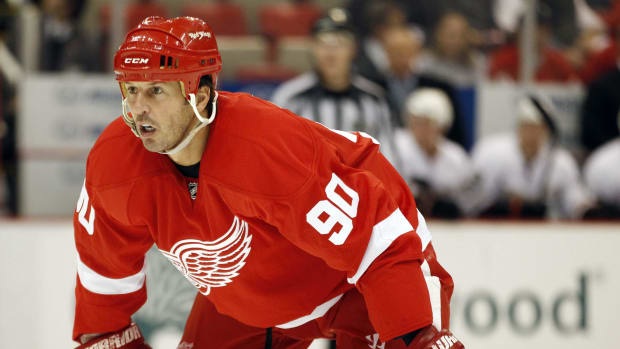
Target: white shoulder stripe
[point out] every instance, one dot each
(433, 283)
(434, 291)
(383, 234)
(98, 283)
(348, 135)
(422, 231)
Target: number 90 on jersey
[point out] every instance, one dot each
(336, 210)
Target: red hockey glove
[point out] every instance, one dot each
(129, 337)
(430, 338)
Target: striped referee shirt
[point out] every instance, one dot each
(361, 107)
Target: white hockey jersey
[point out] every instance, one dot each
(449, 173)
(552, 177)
(602, 173)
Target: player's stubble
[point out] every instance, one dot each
(172, 127)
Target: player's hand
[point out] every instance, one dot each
(129, 337)
(431, 338)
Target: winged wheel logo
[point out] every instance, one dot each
(208, 264)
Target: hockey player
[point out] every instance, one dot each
(438, 170)
(526, 173)
(600, 172)
(290, 231)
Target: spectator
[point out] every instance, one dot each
(560, 15)
(590, 53)
(551, 65)
(372, 61)
(478, 14)
(402, 47)
(426, 13)
(451, 56)
(526, 174)
(438, 170)
(600, 109)
(602, 177)
(332, 93)
(604, 58)
(63, 45)
(598, 62)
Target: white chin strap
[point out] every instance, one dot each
(203, 122)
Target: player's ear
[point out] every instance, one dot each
(202, 97)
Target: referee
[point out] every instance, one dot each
(332, 93)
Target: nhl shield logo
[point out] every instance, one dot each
(208, 264)
(192, 187)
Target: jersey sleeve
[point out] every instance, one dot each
(358, 215)
(110, 283)
(489, 159)
(566, 187)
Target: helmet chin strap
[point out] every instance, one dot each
(203, 122)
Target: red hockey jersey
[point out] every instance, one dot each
(288, 216)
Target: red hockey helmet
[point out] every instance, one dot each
(177, 49)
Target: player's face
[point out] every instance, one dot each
(426, 131)
(532, 136)
(162, 115)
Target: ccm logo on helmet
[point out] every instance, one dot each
(136, 60)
